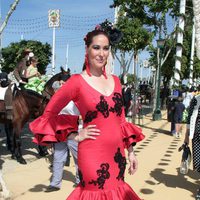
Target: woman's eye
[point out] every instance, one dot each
(96, 47)
(106, 48)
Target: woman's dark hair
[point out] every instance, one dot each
(33, 59)
(89, 37)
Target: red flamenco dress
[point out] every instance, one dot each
(102, 161)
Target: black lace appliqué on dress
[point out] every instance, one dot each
(102, 107)
(90, 115)
(121, 160)
(103, 174)
(126, 140)
(118, 104)
(82, 182)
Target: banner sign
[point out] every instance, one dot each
(54, 18)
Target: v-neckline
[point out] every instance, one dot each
(98, 90)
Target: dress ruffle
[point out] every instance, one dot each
(53, 129)
(122, 192)
(131, 134)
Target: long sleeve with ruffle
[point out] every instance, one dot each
(53, 125)
(131, 134)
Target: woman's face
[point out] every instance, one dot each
(98, 52)
(34, 64)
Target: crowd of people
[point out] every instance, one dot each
(86, 117)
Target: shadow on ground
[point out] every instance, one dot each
(29, 149)
(173, 181)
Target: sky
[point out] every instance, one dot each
(30, 22)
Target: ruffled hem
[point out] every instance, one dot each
(55, 129)
(123, 192)
(131, 134)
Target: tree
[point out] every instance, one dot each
(14, 52)
(157, 14)
(150, 14)
(135, 38)
(131, 78)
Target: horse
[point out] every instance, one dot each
(27, 104)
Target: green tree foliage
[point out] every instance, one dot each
(14, 52)
(185, 62)
(131, 78)
(150, 12)
(135, 36)
(156, 13)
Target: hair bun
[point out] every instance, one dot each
(115, 35)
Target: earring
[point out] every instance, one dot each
(87, 66)
(104, 70)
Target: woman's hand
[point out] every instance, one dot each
(133, 163)
(88, 132)
(132, 160)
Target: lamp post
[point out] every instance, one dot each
(153, 70)
(157, 111)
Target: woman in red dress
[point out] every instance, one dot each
(105, 133)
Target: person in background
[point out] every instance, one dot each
(4, 80)
(188, 95)
(57, 84)
(178, 115)
(32, 70)
(105, 134)
(36, 81)
(20, 70)
(20, 75)
(193, 133)
(126, 92)
(61, 149)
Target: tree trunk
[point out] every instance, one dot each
(12, 8)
